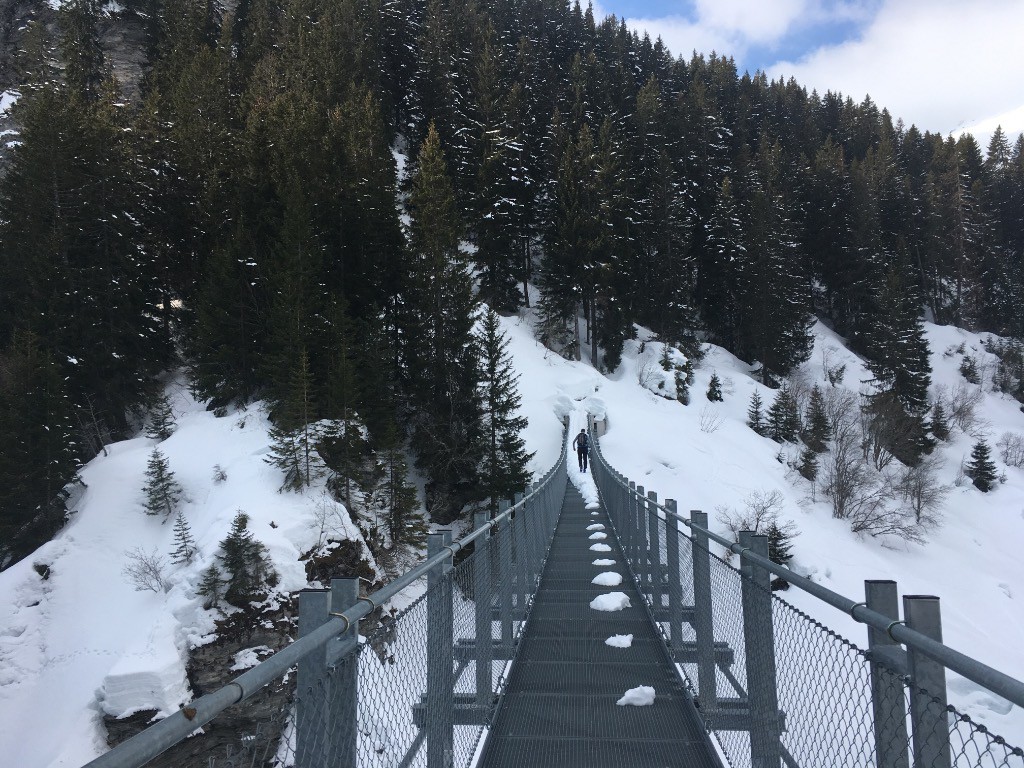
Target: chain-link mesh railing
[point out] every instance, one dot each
(416, 690)
(776, 687)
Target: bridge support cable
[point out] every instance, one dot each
(776, 687)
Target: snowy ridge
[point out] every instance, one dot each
(83, 641)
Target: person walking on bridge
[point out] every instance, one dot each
(582, 443)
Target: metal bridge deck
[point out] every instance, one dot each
(559, 708)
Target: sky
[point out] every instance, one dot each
(946, 66)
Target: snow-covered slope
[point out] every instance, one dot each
(83, 640)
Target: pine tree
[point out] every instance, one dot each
(440, 360)
(817, 430)
(808, 466)
(294, 433)
(715, 389)
(392, 501)
(755, 414)
(161, 420)
(41, 446)
(504, 459)
(212, 586)
(245, 560)
(780, 543)
(682, 386)
(939, 424)
(981, 469)
(184, 543)
(162, 491)
(783, 423)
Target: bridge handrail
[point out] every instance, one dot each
(162, 735)
(997, 682)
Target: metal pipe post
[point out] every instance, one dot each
(643, 543)
(928, 713)
(519, 539)
(507, 575)
(310, 740)
(440, 714)
(654, 553)
(343, 663)
(675, 585)
(889, 708)
(703, 619)
(759, 642)
(482, 603)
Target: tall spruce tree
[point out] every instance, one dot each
(439, 354)
(981, 469)
(503, 471)
(184, 543)
(162, 490)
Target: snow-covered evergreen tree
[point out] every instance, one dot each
(161, 419)
(162, 490)
(184, 543)
(981, 469)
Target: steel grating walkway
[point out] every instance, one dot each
(559, 706)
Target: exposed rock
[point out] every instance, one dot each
(256, 724)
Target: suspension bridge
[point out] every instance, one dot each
(608, 634)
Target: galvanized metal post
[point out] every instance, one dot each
(440, 709)
(507, 575)
(654, 554)
(522, 569)
(889, 707)
(631, 525)
(703, 619)
(928, 714)
(343, 693)
(482, 602)
(643, 543)
(675, 584)
(759, 641)
(310, 725)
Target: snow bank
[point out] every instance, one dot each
(641, 696)
(607, 579)
(613, 601)
(153, 679)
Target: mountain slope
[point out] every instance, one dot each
(82, 640)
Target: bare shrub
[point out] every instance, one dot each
(761, 509)
(919, 489)
(145, 571)
(834, 372)
(648, 372)
(220, 474)
(961, 409)
(710, 419)
(1011, 449)
(846, 478)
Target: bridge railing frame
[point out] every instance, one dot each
(329, 641)
(905, 651)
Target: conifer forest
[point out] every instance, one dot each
(318, 203)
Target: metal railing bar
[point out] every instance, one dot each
(972, 669)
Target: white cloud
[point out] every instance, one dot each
(943, 65)
(751, 20)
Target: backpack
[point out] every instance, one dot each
(584, 441)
